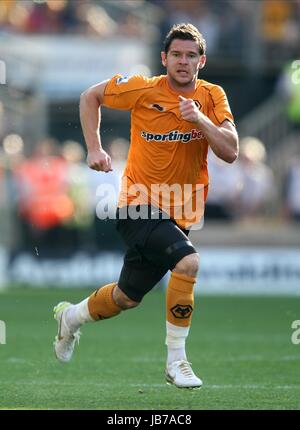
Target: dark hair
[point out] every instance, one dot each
(185, 32)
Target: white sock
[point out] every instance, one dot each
(176, 354)
(175, 341)
(77, 315)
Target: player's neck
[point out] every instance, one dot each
(181, 88)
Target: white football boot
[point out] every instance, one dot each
(65, 340)
(180, 374)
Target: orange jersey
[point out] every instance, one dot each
(165, 149)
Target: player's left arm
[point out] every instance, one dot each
(222, 139)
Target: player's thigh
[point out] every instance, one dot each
(138, 275)
(167, 244)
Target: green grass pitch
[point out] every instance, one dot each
(240, 346)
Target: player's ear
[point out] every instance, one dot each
(202, 61)
(163, 58)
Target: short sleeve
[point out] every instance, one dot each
(123, 92)
(219, 109)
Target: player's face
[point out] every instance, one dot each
(183, 62)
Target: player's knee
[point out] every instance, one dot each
(188, 265)
(122, 300)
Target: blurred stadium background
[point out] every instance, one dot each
(50, 235)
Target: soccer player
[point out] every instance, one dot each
(174, 119)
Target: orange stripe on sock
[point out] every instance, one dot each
(101, 303)
(180, 299)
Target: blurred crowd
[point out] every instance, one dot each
(233, 28)
(103, 18)
(55, 198)
(244, 189)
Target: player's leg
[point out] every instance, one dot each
(179, 308)
(106, 302)
(171, 246)
(136, 279)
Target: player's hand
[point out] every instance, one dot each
(189, 111)
(99, 160)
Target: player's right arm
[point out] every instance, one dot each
(119, 92)
(90, 118)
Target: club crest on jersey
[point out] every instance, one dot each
(198, 104)
(122, 80)
(173, 136)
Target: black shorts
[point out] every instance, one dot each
(154, 247)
